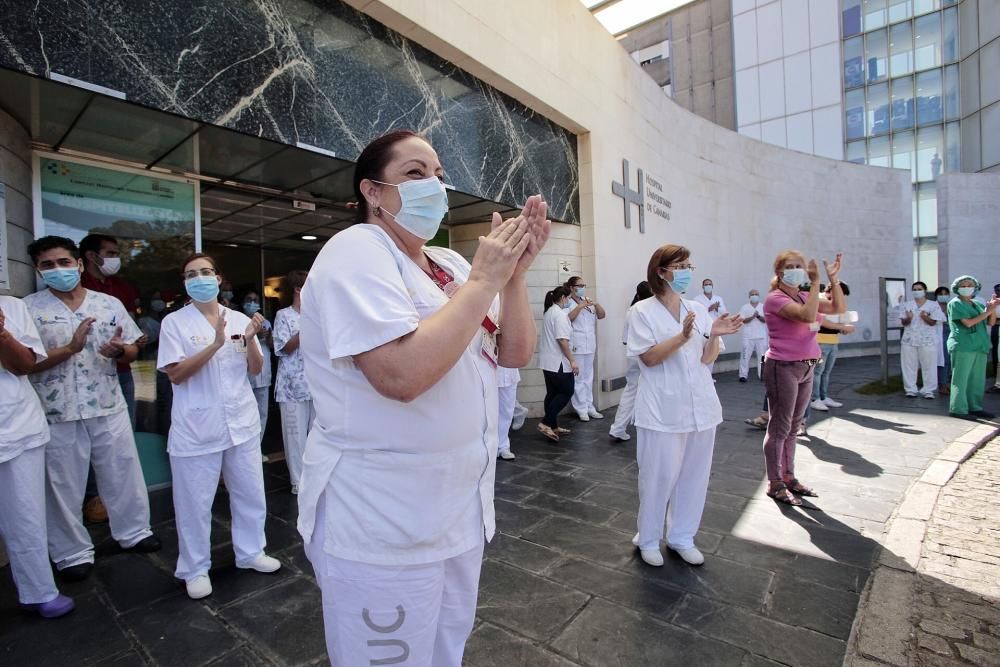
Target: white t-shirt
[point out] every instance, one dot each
(918, 333)
(676, 395)
(706, 302)
(405, 483)
(22, 422)
(583, 340)
(85, 385)
(214, 409)
(555, 326)
(755, 329)
(290, 386)
(263, 379)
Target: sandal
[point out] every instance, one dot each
(548, 432)
(757, 422)
(781, 494)
(800, 489)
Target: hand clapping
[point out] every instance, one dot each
(726, 325)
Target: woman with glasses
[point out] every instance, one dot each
(793, 319)
(677, 409)
(207, 350)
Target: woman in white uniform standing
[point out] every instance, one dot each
(625, 414)
(207, 350)
(23, 434)
(555, 358)
(583, 313)
(290, 388)
(401, 343)
(677, 408)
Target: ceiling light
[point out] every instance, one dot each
(308, 237)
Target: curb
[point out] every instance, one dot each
(881, 633)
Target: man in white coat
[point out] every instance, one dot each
(85, 333)
(583, 313)
(713, 304)
(754, 334)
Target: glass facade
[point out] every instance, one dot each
(901, 101)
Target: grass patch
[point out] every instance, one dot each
(879, 388)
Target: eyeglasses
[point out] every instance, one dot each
(206, 272)
(672, 267)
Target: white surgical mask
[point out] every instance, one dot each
(755, 299)
(707, 289)
(424, 203)
(793, 277)
(919, 294)
(111, 266)
(966, 291)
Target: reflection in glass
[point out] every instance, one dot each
(949, 35)
(902, 103)
(953, 150)
(876, 55)
(900, 49)
(875, 14)
(924, 6)
(929, 106)
(854, 67)
(854, 113)
(856, 152)
(851, 17)
(902, 153)
(878, 109)
(899, 10)
(927, 210)
(927, 41)
(878, 152)
(952, 106)
(929, 150)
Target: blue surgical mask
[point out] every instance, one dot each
(61, 280)
(251, 307)
(943, 298)
(755, 299)
(580, 291)
(966, 291)
(203, 289)
(919, 294)
(681, 281)
(707, 289)
(227, 295)
(793, 277)
(424, 205)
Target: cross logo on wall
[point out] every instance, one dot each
(630, 197)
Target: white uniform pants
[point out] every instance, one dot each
(106, 443)
(673, 470)
(22, 525)
(626, 406)
(508, 399)
(751, 346)
(925, 358)
(262, 395)
(296, 422)
(387, 615)
(196, 479)
(583, 384)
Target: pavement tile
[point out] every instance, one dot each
(179, 631)
(614, 497)
(515, 519)
(805, 604)
(490, 645)
(513, 492)
(523, 554)
(244, 656)
(596, 543)
(230, 583)
(572, 508)
(628, 590)
(130, 659)
(570, 487)
(134, 580)
(607, 634)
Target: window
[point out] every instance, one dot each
(902, 153)
(949, 35)
(854, 62)
(927, 210)
(876, 55)
(927, 41)
(926, 259)
(850, 17)
(952, 106)
(899, 10)
(929, 107)
(878, 152)
(856, 152)
(953, 150)
(854, 114)
(900, 49)
(878, 109)
(902, 103)
(924, 6)
(930, 148)
(875, 14)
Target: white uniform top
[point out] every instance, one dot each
(263, 379)
(583, 340)
(919, 333)
(22, 422)
(405, 483)
(677, 395)
(705, 301)
(85, 385)
(290, 386)
(754, 330)
(508, 377)
(214, 409)
(555, 326)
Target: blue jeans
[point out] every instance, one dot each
(821, 384)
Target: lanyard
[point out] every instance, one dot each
(446, 282)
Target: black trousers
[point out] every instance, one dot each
(558, 392)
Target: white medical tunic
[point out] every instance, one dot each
(583, 340)
(676, 395)
(22, 422)
(85, 385)
(404, 483)
(919, 333)
(755, 329)
(214, 409)
(706, 302)
(290, 386)
(555, 327)
(263, 379)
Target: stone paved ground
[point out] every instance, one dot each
(561, 584)
(957, 612)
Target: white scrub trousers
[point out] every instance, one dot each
(924, 358)
(22, 525)
(752, 346)
(388, 615)
(262, 396)
(626, 405)
(296, 422)
(583, 384)
(508, 399)
(673, 472)
(108, 445)
(196, 479)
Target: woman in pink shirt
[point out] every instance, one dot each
(792, 317)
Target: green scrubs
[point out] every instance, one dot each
(969, 347)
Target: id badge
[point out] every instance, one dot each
(490, 350)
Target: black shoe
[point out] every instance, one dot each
(76, 572)
(146, 545)
(966, 417)
(743, 379)
(982, 414)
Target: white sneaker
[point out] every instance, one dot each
(691, 556)
(518, 422)
(832, 403)
(262, 563)
(911, 394)
(819, 405)
(929, 396)
(635, 540)
(584, 417)
(620, 436)
(506, 455)
(199, 587)
(594, 414)
(651, 557)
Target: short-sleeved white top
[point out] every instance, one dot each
(290, 385)
(755, 329)
(214, 409)
(85, 385)
(404, 483)
(508, 377)
(676, 395)
(263, 379)
(22, 422)
(583, 340)
(919, 333)
(555, 327)
(706, 302)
